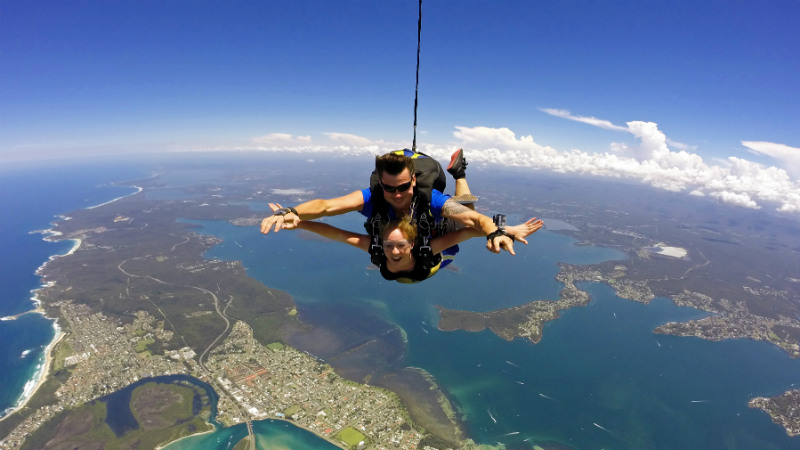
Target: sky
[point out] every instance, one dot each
(693, 96)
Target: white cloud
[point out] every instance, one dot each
(789, 156)
(344, 144)
(652, 139)
(564, 114)
(733, 180)
(281, 139)
(736, 199)
(350, 139)
(679, 145)
(500, 138)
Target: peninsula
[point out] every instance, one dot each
(738, 268)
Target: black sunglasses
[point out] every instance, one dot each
(402, 188)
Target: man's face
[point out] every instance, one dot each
(399, 199)
(398, 252)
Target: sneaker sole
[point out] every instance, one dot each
(454, 158)
(467, 198)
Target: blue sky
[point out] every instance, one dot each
(640, 89)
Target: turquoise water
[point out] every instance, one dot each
(270, 435)
(599, 378)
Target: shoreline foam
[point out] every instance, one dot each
(43, 368)
(42, 371)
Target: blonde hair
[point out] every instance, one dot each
(405, 226)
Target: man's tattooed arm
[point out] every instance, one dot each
(452, 208)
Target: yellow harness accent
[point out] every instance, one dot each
(415, 155)
(431, 273)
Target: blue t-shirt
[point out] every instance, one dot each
(437, 202)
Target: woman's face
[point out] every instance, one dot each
(398, 252)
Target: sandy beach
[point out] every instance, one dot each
(42, 375)
(138, 190)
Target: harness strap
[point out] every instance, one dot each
(373, 229)
(426, 230)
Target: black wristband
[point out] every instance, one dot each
(500, 231)
(285, 211)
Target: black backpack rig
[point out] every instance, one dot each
(430, 176)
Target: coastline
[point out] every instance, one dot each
(43, 371)
(138, 190)
(42, 374)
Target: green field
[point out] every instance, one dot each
(275, 346)
(141, 346)
(294, 409)
(351, 436)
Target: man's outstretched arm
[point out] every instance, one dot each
(478, 221)
(519, 232)
(313, 209)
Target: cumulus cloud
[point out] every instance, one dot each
(654, 160)
(653, 141)
(789, 156)
(734, 180)
(738, 199)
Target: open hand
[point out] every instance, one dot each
(278, 222)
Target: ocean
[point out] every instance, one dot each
(599, 378)
(31, 199)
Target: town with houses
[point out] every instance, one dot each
(253, 381)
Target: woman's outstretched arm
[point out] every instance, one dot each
(357, 240)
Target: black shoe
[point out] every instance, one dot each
(458, 165)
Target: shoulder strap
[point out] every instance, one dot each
(373, 227)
